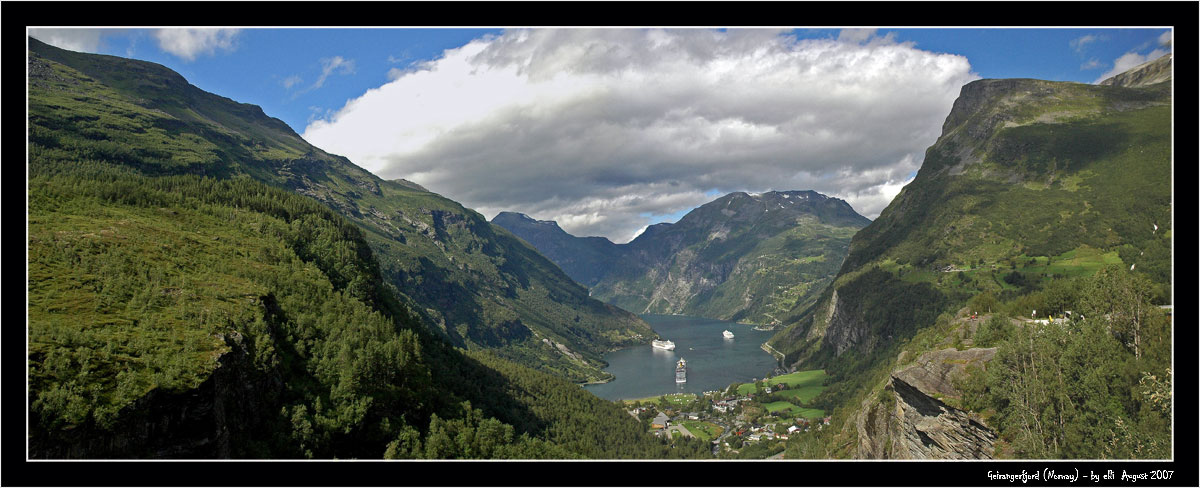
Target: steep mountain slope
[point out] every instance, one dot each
(1146, 74)
(749, 258)
(1032, 188)
(178, 307)
(584, 259)
(479, 286)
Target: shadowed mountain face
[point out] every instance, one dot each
(476, 284)
(584, 259)
(750, 258)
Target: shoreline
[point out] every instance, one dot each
(597, 382)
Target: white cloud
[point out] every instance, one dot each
(72, 39)
(855, 35)
(1078, 43)
(634, 235)
(599, 129)
(1091, 64)
(329, 65)
(291, 81)
(1165, 39)
(189, 43)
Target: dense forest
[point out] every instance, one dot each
(1094, 387)
(1095, 384)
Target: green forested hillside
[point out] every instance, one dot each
(474, 283)
(183, 304)
(1035, 193)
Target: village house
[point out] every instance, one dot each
(660, 421)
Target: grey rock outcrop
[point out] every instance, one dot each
(910, 418)
(1145, 74)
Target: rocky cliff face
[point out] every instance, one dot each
(1146, 74)
(910, 418)
(849, 327)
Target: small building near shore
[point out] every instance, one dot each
(660, 421)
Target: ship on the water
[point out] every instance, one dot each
(727, 334)
(681, 371)
(667, 345)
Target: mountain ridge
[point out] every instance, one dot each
(1145, 74)
(473, 282)
(1035, 194)
(705, 263)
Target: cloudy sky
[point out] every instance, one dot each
(609, 130)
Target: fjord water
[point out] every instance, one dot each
(713, 362)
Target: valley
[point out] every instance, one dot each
(204, 283)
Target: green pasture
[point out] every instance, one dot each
(705, 431)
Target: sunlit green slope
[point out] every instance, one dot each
(185, 302)
(1040, 198)
(478, 285)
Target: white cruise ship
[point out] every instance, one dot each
(667, 345)
(727, 334)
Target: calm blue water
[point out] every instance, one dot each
(713, 362)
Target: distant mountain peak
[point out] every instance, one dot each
(711, 261)
(513, 215)
(1145, 74)
(518, 216)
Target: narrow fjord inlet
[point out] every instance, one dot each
(713, 362)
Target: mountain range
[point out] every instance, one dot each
(752, 258)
